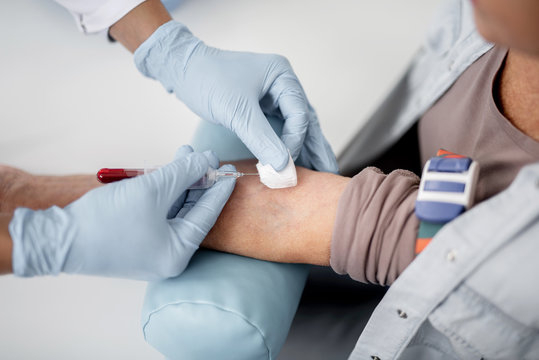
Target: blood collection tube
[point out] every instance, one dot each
(107, 176)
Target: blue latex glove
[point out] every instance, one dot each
(122, 229)
(236, 90)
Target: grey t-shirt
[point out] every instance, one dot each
(375, 229)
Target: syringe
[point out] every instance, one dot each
(213, 175)
(107, 175)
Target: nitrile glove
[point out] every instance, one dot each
(122, 229)
(236, 90)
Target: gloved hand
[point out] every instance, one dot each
(235, 90)
(122, 229)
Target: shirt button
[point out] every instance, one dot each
(451, 256)
(402, 314)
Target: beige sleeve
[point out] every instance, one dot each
(375, 229)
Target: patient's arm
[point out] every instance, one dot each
(6, 245)
(288, 225)
(367, 223)
(285, 225)
(21, 189)
(373, 236)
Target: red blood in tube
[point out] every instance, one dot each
(106, 175)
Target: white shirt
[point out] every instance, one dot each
(93, 16)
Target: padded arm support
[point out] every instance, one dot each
(223, 307)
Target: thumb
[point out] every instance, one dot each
(294, 107)
(258, 135)
(170, 181)
(199, 220)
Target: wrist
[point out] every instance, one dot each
(21, 189)
(6, 245)
(139, 24)
(13, 183)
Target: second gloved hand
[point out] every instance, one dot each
(122, 229)
(236, 90)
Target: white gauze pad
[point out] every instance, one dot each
(278, 179)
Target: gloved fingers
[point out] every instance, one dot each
(258, 135)
(194, 195)
(201, 215)
(294, 107)
(177, 206)
(286, 97)
(190, 201)
(191, 196)
(212, 157)
(304, 160)
(183, 151)
(180, 153)
(318, 151)
(169, 182)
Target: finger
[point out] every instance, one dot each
(179, 203)
(194, 195)
(170, 181)
(177, 206)
(257, 134)
(183, 151)
(185, 203)
(304, 159)
(190, 201)
(318, 151)
(294, 107)
(213, 160)
(197, 222)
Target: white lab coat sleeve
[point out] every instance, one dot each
(97, 15)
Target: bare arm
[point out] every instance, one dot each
(138, 24)
(21, 189)
(285, 225)
(373, 241)
(367, 223)
(6, 246)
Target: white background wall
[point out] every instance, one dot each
(71, 103)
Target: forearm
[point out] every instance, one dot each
(21, 189)
(6, 245)
(137, 25)
(286, 225)
(364, 227)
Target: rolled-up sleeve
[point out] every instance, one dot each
(93, 16)
(375, 229)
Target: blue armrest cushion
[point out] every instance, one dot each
(223, 307)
